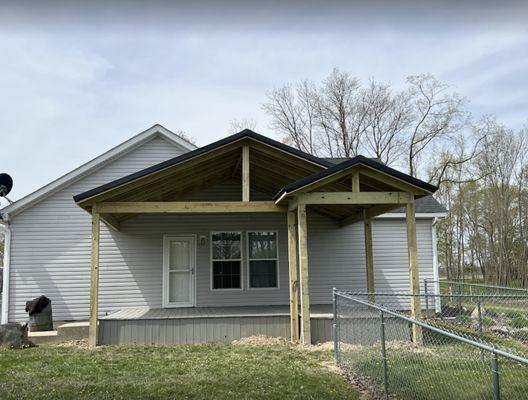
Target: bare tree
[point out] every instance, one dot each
(436, 115)
(329, 119)
(236, 125)
(290, 116)
(185, 137)
(388, 119)
(342, 113)
(340, 118)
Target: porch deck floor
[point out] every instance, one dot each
(143, 313)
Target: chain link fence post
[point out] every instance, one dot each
(495, 372)
(480, 324)
(480, 327)
(384, 357)
(426, 299)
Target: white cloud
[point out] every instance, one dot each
(70, 94)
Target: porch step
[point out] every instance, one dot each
(73, 331)
(65, 331)
(43, 337)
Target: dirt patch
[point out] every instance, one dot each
(261, 340)
(367, 391)
(80, 344)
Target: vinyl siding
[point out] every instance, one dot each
(337, 256)
(50, 248)
(132, 259)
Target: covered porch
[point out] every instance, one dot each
(207, 324)
(274, 178)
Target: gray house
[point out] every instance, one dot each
(157, 241)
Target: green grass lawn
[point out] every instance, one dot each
(212, 371)
(439, 372)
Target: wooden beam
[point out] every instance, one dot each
(94, 279)
(292, 268)
(360, 198)
(134, 207)
(111, 221)
(302, 233)
(369, 255)
(245, 172)
(355, 181)
(237, 166)
(414, 276)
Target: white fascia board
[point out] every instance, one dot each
(418, 215)
(94, 164)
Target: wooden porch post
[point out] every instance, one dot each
(369, 255)
(245, 173)
(306, 336)
(292, 268)
(414, 277)
(367, 228)
(94, 276)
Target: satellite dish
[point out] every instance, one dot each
(6, 184)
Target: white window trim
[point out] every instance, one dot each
(262, 259)
(165, 283)
(211, 286)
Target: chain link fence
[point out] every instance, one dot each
(456, 287)
(406, 358)
(498, 314)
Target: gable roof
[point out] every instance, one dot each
(245, 134)
(357, 160)
(96, 163)
(427, 204)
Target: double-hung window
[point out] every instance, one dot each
(263, 259)
(226, 258)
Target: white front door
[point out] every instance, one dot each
(179, 261)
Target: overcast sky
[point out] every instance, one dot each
(76, 81)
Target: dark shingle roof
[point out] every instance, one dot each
(424, 205)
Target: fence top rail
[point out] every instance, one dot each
(477, 285)
(474, 343)
(407, 294)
